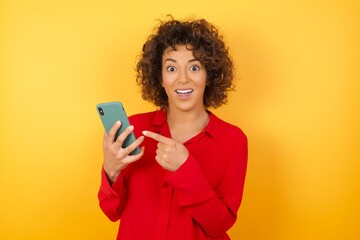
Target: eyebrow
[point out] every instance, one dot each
(173, 60)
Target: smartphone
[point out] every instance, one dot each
(111, 112)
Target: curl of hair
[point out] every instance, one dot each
(208, 47)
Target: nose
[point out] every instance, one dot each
(183, 76)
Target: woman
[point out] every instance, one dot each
(187, 181)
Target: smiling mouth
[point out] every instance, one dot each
(184, 91)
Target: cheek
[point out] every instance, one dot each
(167, 79)
(201, 80)
(165, 83)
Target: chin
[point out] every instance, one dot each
(186, 107)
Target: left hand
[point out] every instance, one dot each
(170, 154)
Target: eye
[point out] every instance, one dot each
(194, 68)
(171, 69)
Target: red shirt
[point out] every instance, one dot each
(198, 201)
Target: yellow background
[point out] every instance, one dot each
(298, 100)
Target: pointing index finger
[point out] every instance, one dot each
(157, 137)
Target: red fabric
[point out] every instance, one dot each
(198, 201)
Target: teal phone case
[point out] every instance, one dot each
(110, 113)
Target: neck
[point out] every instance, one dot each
(178, 117)
(185, 125)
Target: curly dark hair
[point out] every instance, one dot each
(208, 47)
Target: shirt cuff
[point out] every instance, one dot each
(111, 190)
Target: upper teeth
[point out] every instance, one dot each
(184, 91)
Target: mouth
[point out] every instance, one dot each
(183, 92)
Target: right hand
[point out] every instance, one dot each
(117, 158)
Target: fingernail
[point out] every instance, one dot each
(131, 127)
(144, 132)
(118, 122)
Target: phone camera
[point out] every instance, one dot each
(101, 111)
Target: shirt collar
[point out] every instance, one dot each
(212, 128)
(159, 118)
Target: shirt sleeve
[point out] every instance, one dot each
(112, 198)
(214, 209)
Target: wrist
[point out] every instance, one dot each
(111, 176)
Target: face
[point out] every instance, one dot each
(183, 78)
